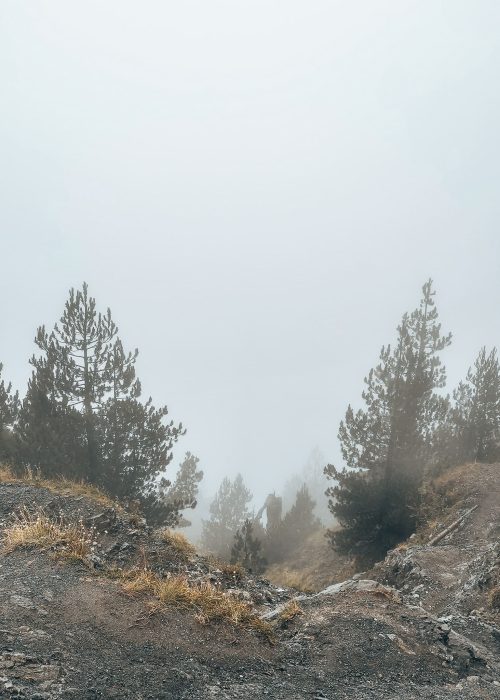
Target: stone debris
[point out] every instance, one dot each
(419, 625)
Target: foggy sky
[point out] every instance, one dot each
(258, 190)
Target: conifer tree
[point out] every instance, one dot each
(246, 549)
(182, 494)
(291, 532)
(9, 407)
(477, 410)
(50, 434)
(79, 352)
(313, 476)
(82, 415)
(228, 512)
(300, 521)
(386, 444)
(165, 505)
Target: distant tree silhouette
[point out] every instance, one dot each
(9, 407)
(246, 549)
(312, 476)
(477, 410)
(166, 505)
(289, 535)
(228, 512)
(300, 521)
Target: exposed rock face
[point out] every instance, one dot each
(418, 626)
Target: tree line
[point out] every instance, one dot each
(407, 431)
(84, 417)
(237, 534)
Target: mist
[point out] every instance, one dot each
(258, 192)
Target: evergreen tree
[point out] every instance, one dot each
(300, 521)
(136, 447)
(82, 416)
(313, 476)
(9, 407)
(291, 532)
(386, 445)
(228, 512)
(79, 352)
(246, 549)
(477, 410)
(50, 434)
(182, 494)
(445, 446)
(166, 505)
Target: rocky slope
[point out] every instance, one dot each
(419, 625)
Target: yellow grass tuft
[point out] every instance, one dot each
(60, 485)
(179, 543)
(292, 609)
(233, 572)
(30, 531)
(208, 602)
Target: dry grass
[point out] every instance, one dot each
(444, 496)
(30, 531)
(300, 582)
(231, 572)
(313, 567)
(207, 602)
(179, 542)
(494, 598)
(291, 610)
(451, 487)
(389, 594)
(59, 485)
(401, 547)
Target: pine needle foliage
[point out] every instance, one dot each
(385, 444)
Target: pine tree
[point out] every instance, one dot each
(300, 521)
(477, 410)
(136, 442)
(182, 494)
(228, 512)
(50, 434)
(246, 549)
(386, 445)
(9, 407)
(79, 353)
(136, 446)
(446, 443)
(292, 531)
(165, 505)
(82, 416)
(313, 476)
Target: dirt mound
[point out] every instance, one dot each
(71, 630)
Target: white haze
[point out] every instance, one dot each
(258, 191)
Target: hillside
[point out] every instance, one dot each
(314, 566)
(127, 612)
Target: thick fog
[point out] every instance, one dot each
(258, 190)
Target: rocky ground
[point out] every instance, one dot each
(418, 626)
